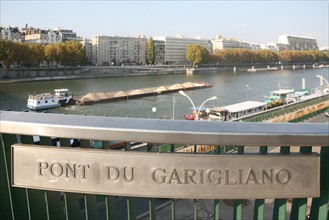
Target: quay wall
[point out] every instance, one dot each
(35, 74)
(61, 73)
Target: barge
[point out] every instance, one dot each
(92, 98)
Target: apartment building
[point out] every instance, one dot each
(175, 48)
(159, 51)
(11, 33)
(88, 47)
(36, 35)
(293, 42)
(40, 36)
(221, 43)
(46, 36)
(110, 50)
(66, 35)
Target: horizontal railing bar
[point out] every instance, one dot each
(164, 131)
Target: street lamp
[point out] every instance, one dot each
(198, 112)
(322, 78)
(154, 109)
(249, 88)
(173, 107)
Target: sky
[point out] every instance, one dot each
(258, 22)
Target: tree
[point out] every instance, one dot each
(62, 54)
(196, 54)
(151, 51)
(6, 52)
(50, 53)
(37, 53)
(75, 51)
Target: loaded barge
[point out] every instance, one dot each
(92, 98)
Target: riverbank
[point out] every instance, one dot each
(16, 75)
(48, 74)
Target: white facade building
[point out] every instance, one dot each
(109, 50)
(298, 42)
(39, 36)
(66, 35)
(88, 47)
(11, 33)
(175, 48)
(221, 43)
(47, 36)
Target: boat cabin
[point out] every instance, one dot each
(62, 92)
(238, 110)
(280, 94)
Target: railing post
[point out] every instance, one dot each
(319, 207)
(217, 201)
(90, 201)
(35, 198)
(152, 209)
(299, 205)
(6, 200)
(259, 203)
(71, 200)
(279, 209)
(53, 198)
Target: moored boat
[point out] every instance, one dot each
(253, 69)
(234, 111)
(280, 94)
(60, 97)
(189, 117)
(229, 112)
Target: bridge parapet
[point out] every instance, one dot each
(188, 172)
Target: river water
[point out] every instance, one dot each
(228, 86)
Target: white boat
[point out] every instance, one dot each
(231, 112)
(297, 96)
(253, 69)
(59, 98)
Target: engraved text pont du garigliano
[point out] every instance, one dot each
(179, 176)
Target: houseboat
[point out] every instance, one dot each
(238, 110)
(60, 97)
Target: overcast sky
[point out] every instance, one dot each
(253, 21)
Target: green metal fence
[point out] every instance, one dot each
(21, 203)
(282, 110)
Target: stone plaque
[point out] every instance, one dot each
(165, 175)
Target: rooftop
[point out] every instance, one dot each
(242, 106)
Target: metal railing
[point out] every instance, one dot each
(20, 127)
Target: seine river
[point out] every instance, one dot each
(229, 87)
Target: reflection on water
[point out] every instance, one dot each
(228, 86)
